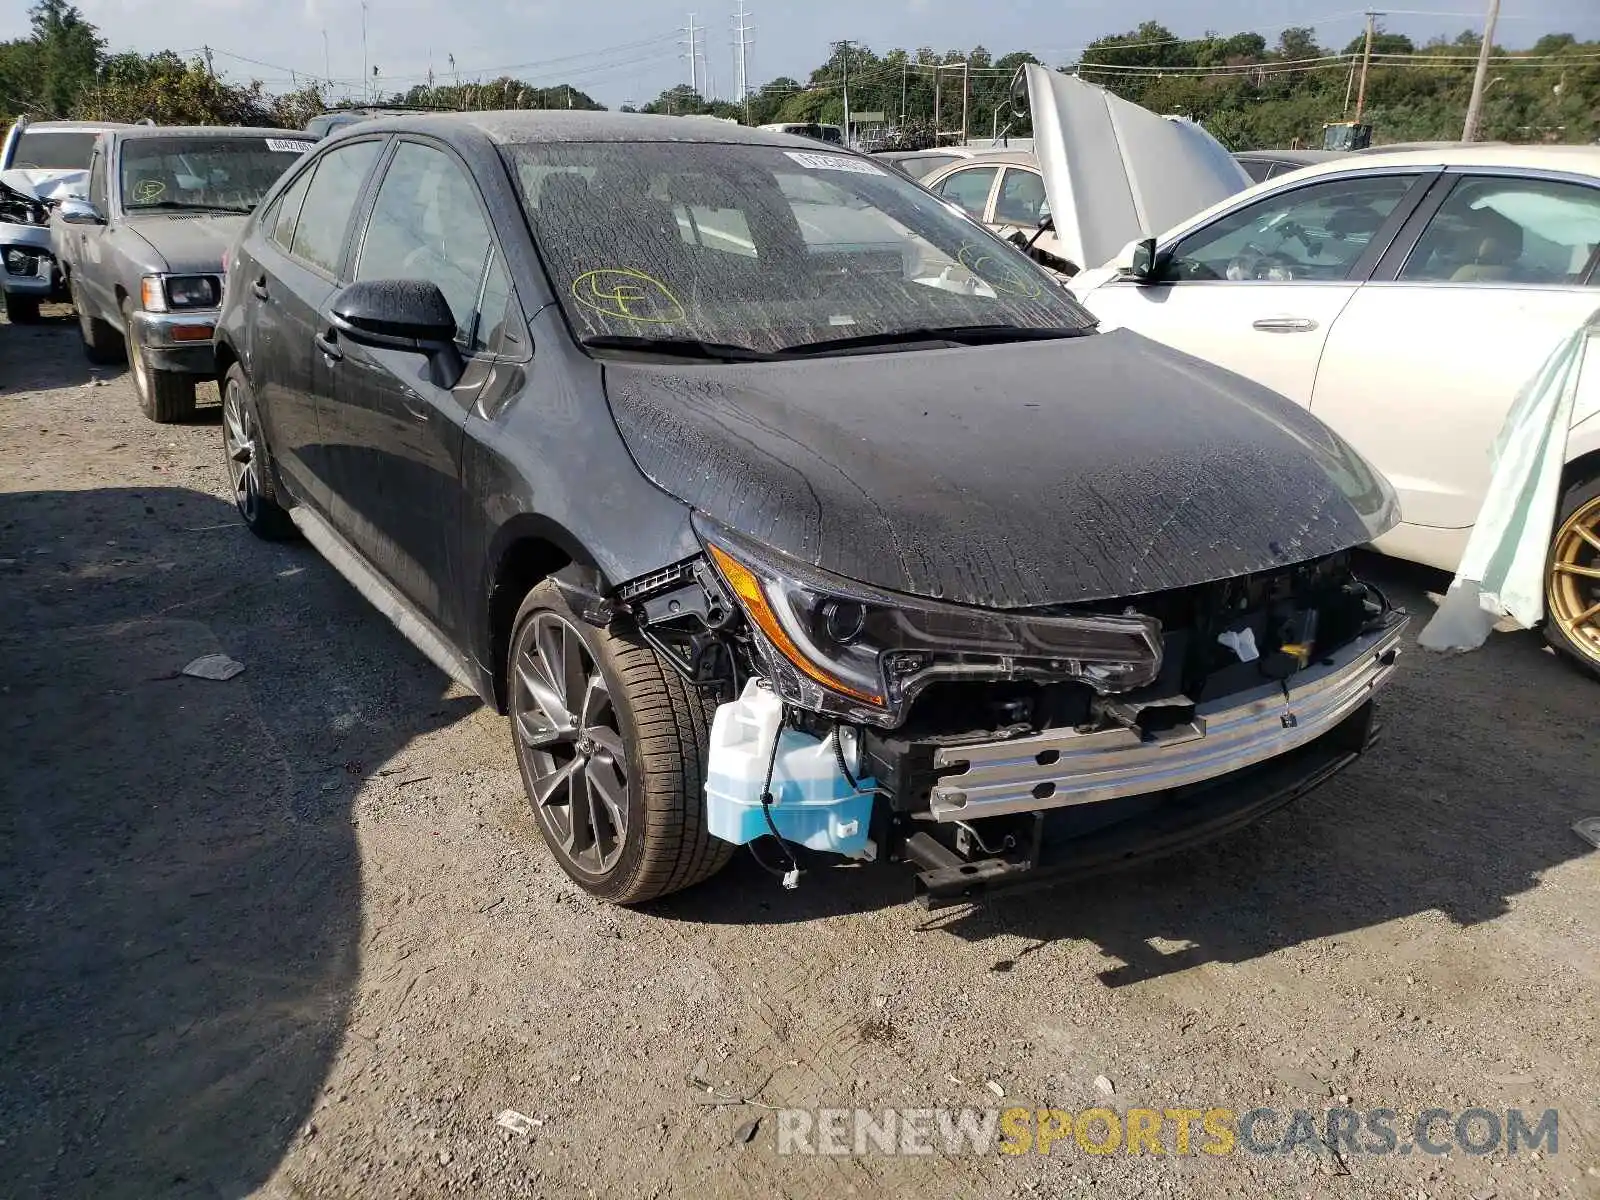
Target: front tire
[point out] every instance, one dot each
(166, 397)
(22, 310)
(244, 445)
(102, 345)
(611, 743)
(1572, 582)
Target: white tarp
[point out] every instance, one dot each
(1502, 572)
(1114, 171)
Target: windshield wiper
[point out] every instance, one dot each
(679, 347)
(965, 335)
(187, 206)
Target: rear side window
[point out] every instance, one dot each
(1527, 231)
(329, 201)
(285, 212)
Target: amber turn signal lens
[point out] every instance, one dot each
(191, 333)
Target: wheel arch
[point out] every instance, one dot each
(526, 550)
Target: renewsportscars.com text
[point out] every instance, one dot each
(1347, 1132)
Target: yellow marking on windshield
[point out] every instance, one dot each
(629, 295)
(148, 190)
(1001, 276)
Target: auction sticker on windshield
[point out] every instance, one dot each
(833, 162)
(287, 146)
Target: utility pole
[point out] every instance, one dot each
(1475, 106)
(210, 70)
(365, 80)
(1366, 61)
(902, 121)
(741, 45)
(694, 55)
(327, 61)
(843, 48)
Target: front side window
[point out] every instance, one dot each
(969, 188)
(1496, 230)
(426, 224)
(97, 180)
(286, 212)
(764, 248)
(1021, 199)
(1315, 232)
(207, 173)
(330, 199)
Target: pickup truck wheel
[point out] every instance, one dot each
(244, 445)
(164, 396)
(611, 743)
(1572, 584)
(22, 310)
(102, 345)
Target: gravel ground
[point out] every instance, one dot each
(294, 934)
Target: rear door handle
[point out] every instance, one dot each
(1284, 325)
(329, 347)
(259, 289)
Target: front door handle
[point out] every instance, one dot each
(258, 289)
(1284, 324)
(329, 347)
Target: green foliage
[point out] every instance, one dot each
(1247, 93)
(504, 92)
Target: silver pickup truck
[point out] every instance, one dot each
(143, 251)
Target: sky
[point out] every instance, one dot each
(630, 50)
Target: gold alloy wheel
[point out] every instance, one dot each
(1574, 584)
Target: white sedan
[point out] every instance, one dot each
(1405, 299)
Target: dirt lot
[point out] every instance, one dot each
(293, 934)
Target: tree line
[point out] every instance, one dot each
(1246, 92)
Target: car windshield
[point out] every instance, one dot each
(217, 174)
(767, 249)
(53, 150)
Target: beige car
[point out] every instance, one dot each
(1004, 190)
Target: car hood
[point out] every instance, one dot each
(1008, 476)
(189, 241)
(1115, 172)
(43, 184)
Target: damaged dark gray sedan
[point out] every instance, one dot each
(777, 502)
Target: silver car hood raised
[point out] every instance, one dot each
(1115, 172)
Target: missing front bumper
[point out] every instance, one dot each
(1152, 827)
(1065, 768)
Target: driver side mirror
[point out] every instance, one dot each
(75, 210)
(1142, 261)
(402, 314)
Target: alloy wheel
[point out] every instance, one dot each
(1575, 580)
(239, 444)
(569, 740)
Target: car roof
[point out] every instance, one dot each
(520, 126)
(139, 132)
(1306, 156)
(1583, 160)
(74, 126)
(1016, 158)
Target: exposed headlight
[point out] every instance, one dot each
(849, 650)
(164, 293)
